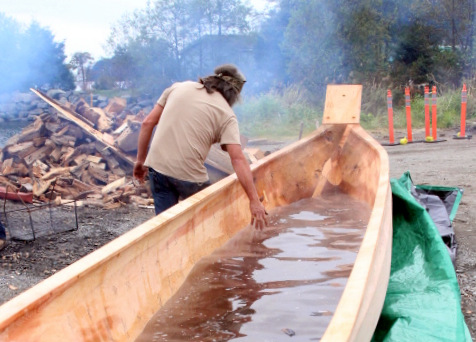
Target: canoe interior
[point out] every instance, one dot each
(113, 292)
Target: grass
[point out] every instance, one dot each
(280, 114)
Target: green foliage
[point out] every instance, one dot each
(315, 58)
(278, 114)
(448, 110)
(174, 40)
(82, 62)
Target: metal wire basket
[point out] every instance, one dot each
(36, 220)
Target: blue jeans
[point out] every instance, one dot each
(166, 190)
(2, 231)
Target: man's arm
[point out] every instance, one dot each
(146, 129)
(242, 169)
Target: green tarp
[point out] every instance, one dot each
(423, 297)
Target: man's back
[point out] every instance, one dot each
(192, 120)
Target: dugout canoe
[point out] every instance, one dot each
(110, 294)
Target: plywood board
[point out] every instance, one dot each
(342, 104)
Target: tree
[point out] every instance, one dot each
(82, 62)
(314, 54)
(271, 58)
(178, 26)
(31, 58)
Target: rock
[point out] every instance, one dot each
(56, 93)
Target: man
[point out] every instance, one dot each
(191, 117)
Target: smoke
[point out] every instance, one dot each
(30, 58)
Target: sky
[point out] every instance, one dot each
(83, 25)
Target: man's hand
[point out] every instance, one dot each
(145, 134)
(258, 215)
(139, 172)
(243, 172)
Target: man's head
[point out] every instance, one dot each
(227, 80)
(230, 73)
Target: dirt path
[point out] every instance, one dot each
(449, 163)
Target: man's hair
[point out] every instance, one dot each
(228, 81)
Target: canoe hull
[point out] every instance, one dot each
(112, 293)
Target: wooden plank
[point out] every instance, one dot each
(342, 104)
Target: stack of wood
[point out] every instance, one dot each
(86, 154)
(71, 155)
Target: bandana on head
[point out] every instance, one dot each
(234, 82)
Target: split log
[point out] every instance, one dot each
(16, 169)
(127, 140)
(53, 127)
(39, 154)
(79, 160)
(32, 131)
(115, 106)
(7, 166)
(56, 172)
(111, 187)
(55, 155)
(83, 108)
(21, 150)
(94, 159)
(41, 186)
(98, 173)
(64, 140)
(76, 132)
(39, 168)
(82, 187)
(39, 142)
(104, 124)
(68, 157)
(139, 201)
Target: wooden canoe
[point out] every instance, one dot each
(110, 294)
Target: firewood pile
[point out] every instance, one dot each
(80, 152)
(86, 154)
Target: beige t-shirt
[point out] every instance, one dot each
(191, 122)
